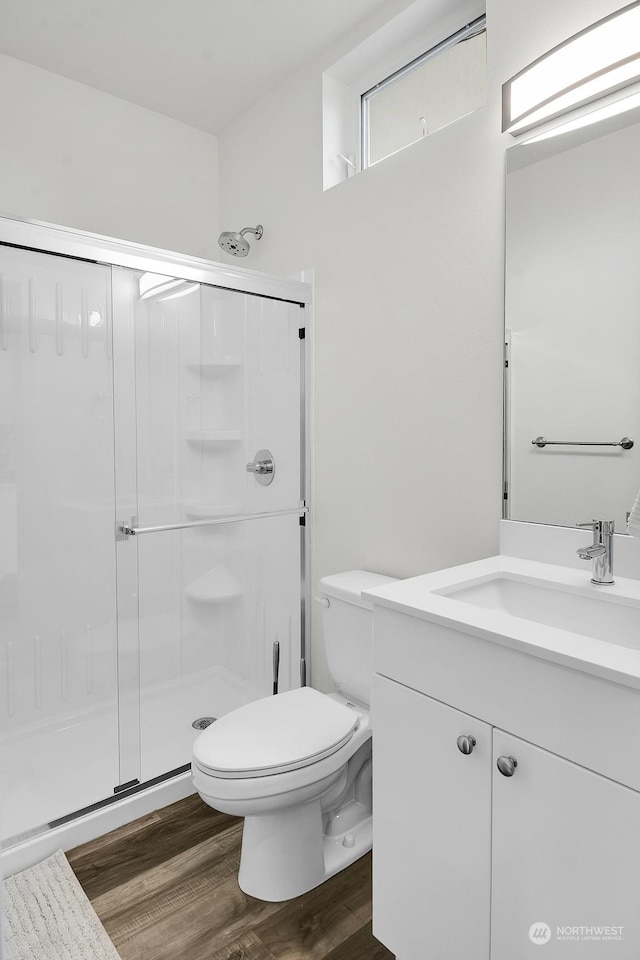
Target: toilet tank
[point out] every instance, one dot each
(348, 630)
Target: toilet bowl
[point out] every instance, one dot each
(297, 766)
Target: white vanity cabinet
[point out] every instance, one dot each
(566, 853)
(460, 847)
(432, 827)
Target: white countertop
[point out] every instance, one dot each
(599, 657)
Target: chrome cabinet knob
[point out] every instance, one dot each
(507, 766)
(262, 467)
(466, 744)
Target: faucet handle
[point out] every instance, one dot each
(589, 525)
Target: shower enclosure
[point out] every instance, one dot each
(149, 576)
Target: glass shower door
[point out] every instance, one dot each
(58, 694)
(217, 379)
(129, 400)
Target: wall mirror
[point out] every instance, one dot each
(572, 319)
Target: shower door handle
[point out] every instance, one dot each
(262, 467)
(126, 530)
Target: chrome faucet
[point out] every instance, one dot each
(600, 551)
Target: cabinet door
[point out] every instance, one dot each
(431, 827)
(566, 859)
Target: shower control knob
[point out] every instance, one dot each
(466, 744)
(262, 467)
(507, 766)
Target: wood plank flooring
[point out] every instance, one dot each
(165, 888)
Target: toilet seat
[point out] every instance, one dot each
(275, 735)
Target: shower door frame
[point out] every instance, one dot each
(79, 245)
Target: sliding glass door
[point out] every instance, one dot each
(148, 579)
(218, 379)
(58, 641)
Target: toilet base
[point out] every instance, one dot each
(285, 854)
(340, 852)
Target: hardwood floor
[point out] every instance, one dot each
(165, 888)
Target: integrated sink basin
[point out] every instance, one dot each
(548, 611)
(612, 619)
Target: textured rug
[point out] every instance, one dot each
(49, 917)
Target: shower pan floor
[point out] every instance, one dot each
(59, 765)
(168, 710)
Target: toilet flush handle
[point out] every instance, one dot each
(323, 601)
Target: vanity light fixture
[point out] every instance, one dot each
(600, 60)
(600, 113)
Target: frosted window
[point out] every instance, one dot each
(449, 82)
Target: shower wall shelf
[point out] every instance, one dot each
(215, 586)
(218, 365)
(200, 510)
(212, 437)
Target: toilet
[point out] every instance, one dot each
(297, 766)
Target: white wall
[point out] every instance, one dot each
(72, 155)
(408, 260)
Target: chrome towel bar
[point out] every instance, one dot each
(132, 531)
(625, 443)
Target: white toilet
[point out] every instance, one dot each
(297, 766)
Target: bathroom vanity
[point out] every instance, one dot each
(506, 711)
(506, 699)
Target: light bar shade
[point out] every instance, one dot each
(600, 113)
(596, 62)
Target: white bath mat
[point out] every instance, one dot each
(49, 916)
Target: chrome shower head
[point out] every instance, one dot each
(235, 243)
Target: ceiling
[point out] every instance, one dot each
(199, 61)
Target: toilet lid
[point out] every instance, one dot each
(275, 734)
